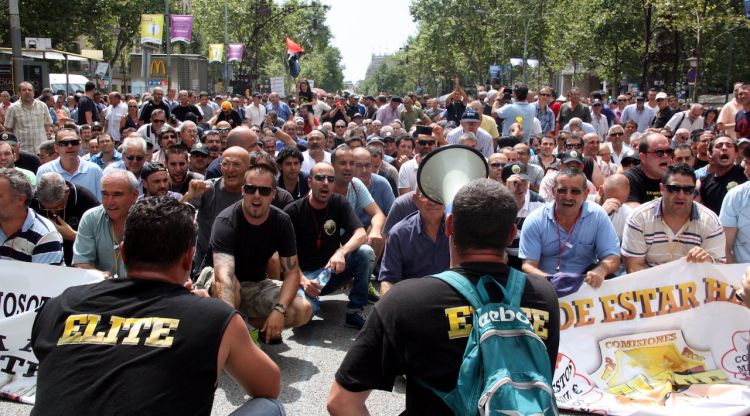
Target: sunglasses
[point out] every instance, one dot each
(629, 163)
(662, 152)
(497, 165)
(616, 134)
(132, 106)
(565, 191)
(224, 130)
(340, 127)
(168, 136)
(133, 157)
(66, 143)
(574, 146)
(262, 190)
(323, 178)
(426, 142)
(158, 121)
(545, 95)
(687, 190)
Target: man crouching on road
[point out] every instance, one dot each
(145, 344)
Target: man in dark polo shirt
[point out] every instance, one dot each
(725, 176)
(645, 178)
(64, 204)
(426, 340)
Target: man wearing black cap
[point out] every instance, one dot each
(387, 113)
(638, 112)
(470, 121)
(515, 177)
(199, 158)
(155, 181)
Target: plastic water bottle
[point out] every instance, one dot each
(323, 277)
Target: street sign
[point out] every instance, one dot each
(38, 43)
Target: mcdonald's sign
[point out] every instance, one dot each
(158, 68)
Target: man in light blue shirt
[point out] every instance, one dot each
(279, 107)
(570, 234)
(520, 108)
(735, 218)
(72, 168)
(639, 113)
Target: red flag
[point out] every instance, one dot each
(292, 47)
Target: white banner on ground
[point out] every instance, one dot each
(670, 340)
(23, 288)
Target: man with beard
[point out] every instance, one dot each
(645, 179)
(292, 179)
(178, 166)
(155, 181)
(672, 226)
(725, 175)
(212, 140)
(329, 236)
(315, 152)
(64, 204)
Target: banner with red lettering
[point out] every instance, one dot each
(23, 288)
(670, 340)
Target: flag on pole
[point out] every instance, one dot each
(235, 52)
(293, 52)
(292, 47)
(215, 52)
(152, 27)
(181, 28)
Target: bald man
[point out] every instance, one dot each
(212, 196)
(613, 194)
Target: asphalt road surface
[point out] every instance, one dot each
(308, 359)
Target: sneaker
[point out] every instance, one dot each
(372, 294)
(355, 319)
(255, 335)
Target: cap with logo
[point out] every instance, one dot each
(572, 156)
(10, 138)
(471, 115)
(374, 139)
(199, 147)
(661, 96)
(631, 156)
(640, 95)
(388, 137)
(515, 168)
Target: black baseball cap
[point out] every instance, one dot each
(515, 168)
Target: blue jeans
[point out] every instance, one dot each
(260, 407)
(359, 266)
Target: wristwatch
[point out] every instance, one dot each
(280, 308)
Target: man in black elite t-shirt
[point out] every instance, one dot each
(421, 326)
(330, 236)
(184, 107)
(645, 178)
(145, 344)
(725, 176)
(244, 237)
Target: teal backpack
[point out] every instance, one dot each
(506, 368)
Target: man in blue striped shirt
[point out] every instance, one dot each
(24, 234)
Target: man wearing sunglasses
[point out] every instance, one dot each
(425, 143)
(244, 237)
(645, 179)
(725, 175)
(167, 137)
(71, 166)
(151, 130)
(570, 234)
(672, 226)
(330, 236)
(133, 158)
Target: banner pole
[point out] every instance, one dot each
(169, 44)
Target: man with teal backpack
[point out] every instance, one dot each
(467, 340)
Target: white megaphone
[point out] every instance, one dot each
(444, 171)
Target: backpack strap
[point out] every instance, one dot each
(462, 285)
(514, 287)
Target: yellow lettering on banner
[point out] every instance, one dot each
(716, 291)
(160, 332)
(458, 328)
(582, 311)
(644, 297)
(539, 320)
(687, 294)
(626, 302)
(608, 308)
(667, 301)
(115, 325)
(88, 334)
(706, 377)
(72, 331)
(135, 325)
(566, 313)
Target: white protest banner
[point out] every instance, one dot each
(25, 287)
(670, 340)
(277, 86)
